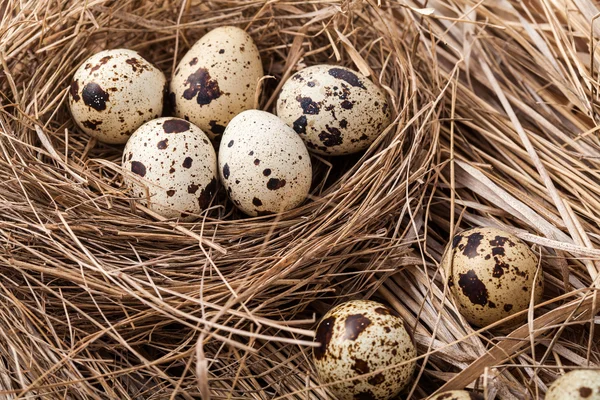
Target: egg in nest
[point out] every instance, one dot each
(364, 337)
(172, 168)
(492, 274)
(335, 110)
(114, 92)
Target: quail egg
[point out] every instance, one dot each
(457, 395)
(217, 79)
(491, 275)
(263, 164)
(172, 167)
(364, 338)
(576, 385)
(335, 110)
(114, 92)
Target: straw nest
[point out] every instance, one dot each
(495, 107)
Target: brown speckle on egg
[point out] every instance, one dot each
(175, 125)
(94, 96)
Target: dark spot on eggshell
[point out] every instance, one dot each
(138, 168)
(74, 90)
(585, 392)
(366, 395)
(308, 106)
(221, 51)
(267, 172)
(256, 201)
(162, 144)
(361, 366)
(498, 251)
(347, 105)
(323, 336)
(230, 143)
(226, 171)
(101, 62)
(202, 87)
(135, 64)
(256, 161)
(508, 307)
(473, 288)
(94, 96)
(499, 268)
(300, 125)
(491, 304)
(347, 76)
(194, 61)
(175, 125)
(382, 311)
(297, 77)
(333, 136)
(355, 324)
(216, 128)
(207, 193)
(274, 183)
(473, 242)
(456, 240)
(170, 193)
(193, 188)
(376, 379)
(500, 241)
(343, 124)
(187, 162)
(92, 124)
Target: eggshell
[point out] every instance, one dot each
(576, 385)
(173, 162)
(217, 79)
(361, 337)
(335, 110)
(457, 395)
(491, 275)
(114, 92)
(263, 164)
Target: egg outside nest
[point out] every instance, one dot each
(492, 275)
(365, 351)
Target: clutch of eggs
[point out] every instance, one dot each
(216, 79)
(335, 110)
(114, 92)
(172, 168)
(491, 274)
(367, 342)
(263, 164)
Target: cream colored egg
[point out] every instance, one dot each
(457, 395)
(172, 168)
(263, 164)
(576, 385)
(217, 79)
(491, 275)
(335, 110)
(114, 92)
(364, 338)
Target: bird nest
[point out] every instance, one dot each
(495, 123)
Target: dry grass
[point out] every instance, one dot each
(497, 107)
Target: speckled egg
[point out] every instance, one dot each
(491, 275)
(217, 79)
(172, 167)
(335, 110)
(362, 337)
(114, 92)
(263, 164)
(457, 395)
(576, 385)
